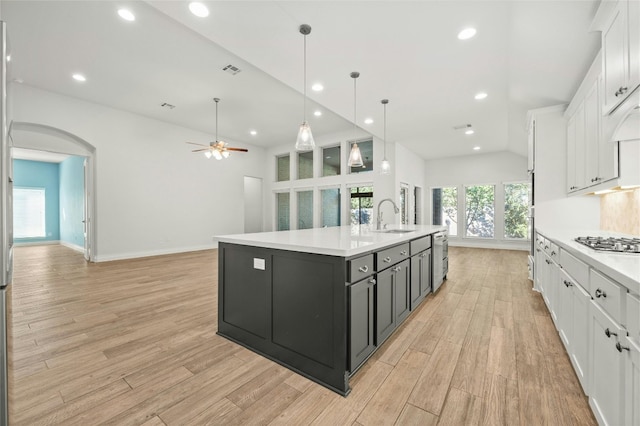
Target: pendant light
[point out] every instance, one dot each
(305, 141)
(355, 157)
(216, 154)
(385, 166)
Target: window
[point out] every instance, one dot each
(331, 161)
(282, 209)
(282, 168)
(305, 209)
(361, 205)
(479, 202)
(29, 213)
(305, 165)
(330, 206)
(404, 203)
(366, 149)
(516, 210)
(445, 208)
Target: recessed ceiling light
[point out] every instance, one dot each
(253, 132)
(198, 9)
(79, 77)
(476, 148)
(126, 14)
(481, 95)
(318, 87)
(467, 33)
(368, 120)
(469, 132)
(317, 113)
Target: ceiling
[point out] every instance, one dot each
(526, 54)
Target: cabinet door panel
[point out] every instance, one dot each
(361, 326)
(385, 305)
(580, 334)
(425, 281)
(614, 56)
(632, 389)
(403, 285)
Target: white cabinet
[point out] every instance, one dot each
(632, 385)
(571, 155)
(620, 53)
(606, 370)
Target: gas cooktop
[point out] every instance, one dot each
(612, 244)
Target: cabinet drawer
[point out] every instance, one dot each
(421, 244)
(608, 295)
(391, 256)
(360, 268)
(633, 317)
(554, 252)
(578, 270)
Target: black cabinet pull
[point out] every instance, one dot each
(620, 348)
(600, 293)
(567, 283)
(403, 253)
(609, 333)
(548, 262)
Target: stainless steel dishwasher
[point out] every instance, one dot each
(440, 263)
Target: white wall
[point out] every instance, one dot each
(153, 195)
(409, 169)
(492, 168)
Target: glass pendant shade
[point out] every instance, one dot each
(217, 155)
(305, 141)
(385, 167)
(207, 154)
(225, 154)
(355, 157)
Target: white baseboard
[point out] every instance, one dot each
(74, 247)
(36, 243)
(135, 255)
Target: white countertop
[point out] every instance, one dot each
(344, 241)
(621, 267)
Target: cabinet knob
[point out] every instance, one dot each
(548, 262)
(609, 333)
(621, 348)
(567, 283)
(553, 253)
(600, 293)
(372, 281)
(364, 269)
(397, 269)
(424, 254)
(403, 253)
(621, 91)
(387, 259)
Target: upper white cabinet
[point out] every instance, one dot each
(620, 50)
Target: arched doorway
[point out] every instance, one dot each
(40, 137)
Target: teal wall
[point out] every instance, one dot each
(71, 174)
(36, 174)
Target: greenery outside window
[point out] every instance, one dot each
(282, 211)
(361, 205)
(330, 199)
(331, 161)
(305, 165)
(479, 211)
(282, 168)
(445, 208)
(516, 210)
(305, 209)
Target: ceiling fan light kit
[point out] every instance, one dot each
(217, 149)
(304, 141)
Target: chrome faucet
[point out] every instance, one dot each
(379, 217)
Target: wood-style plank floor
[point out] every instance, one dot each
(134, 342)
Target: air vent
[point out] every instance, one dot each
(166, 105)
(231, 69)
(462, 126)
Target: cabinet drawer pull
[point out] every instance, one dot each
(609, 333)
(553, 253)
(397, 269)
(403, 253)
(424, 254)
(387, 259)
(548, 262)
(567, 283)
(546, 247)
(600, 293)
(620, 348)
(621, 91)
(372, 281)
(364, 269)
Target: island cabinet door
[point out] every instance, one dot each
(403, 290)
(385, 305)
(420, 277)
(361, 325)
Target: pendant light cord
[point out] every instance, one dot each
(384, 133)
(304, 108)
(355, 132)
(216, 121)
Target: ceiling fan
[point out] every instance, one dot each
(217, 149)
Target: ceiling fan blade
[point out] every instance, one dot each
(199, 144)
(200, 150)
(237, 149)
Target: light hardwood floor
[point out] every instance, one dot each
(134, 342)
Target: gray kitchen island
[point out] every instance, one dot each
(321, 301)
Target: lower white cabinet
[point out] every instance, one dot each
(632, 386)
(607, 368)
(581, 335)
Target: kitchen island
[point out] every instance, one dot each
(321, 301)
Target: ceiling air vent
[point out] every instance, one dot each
(231, 69)
(166, 105)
